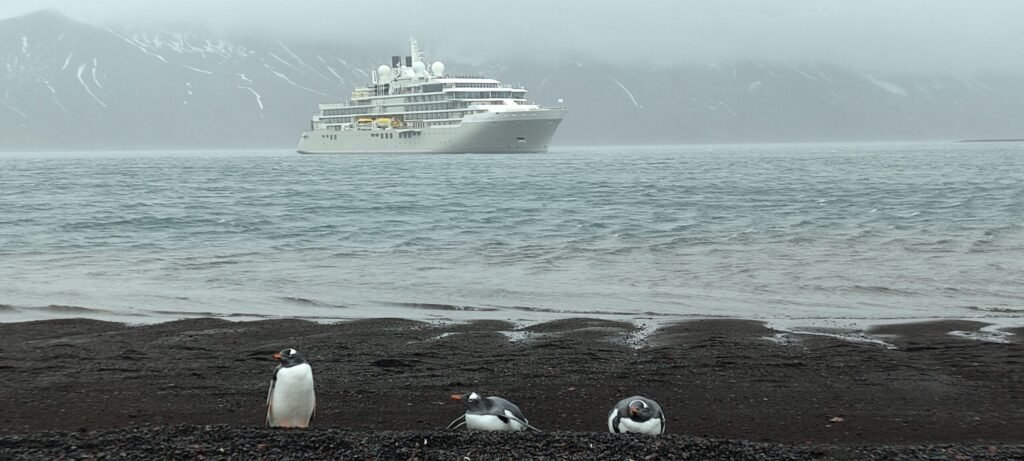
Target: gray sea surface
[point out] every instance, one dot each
(796, 233)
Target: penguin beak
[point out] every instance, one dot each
(633, 411)
(277, 356)
(456, 397)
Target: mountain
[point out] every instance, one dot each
(66, 85)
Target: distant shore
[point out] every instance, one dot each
(719, 379)
(993, 140)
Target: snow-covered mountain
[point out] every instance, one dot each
(68, 85)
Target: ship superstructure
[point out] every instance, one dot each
(410, 108)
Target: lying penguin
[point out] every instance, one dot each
(291, 401)
(637, 414)
(490, 414)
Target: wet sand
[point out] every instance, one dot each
(728, 385)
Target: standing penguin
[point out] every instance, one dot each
(490, 414)
(637, 414)
(291, 401)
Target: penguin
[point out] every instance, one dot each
(490, 414)
(637, 414)
(291, 401)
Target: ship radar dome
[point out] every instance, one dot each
(384, 72)
(419, 68)
(437, 68)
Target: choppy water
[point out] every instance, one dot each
(793, 232)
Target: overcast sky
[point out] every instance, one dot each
(957, 35)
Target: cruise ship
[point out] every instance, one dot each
(410, 108)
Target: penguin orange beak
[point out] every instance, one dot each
(277, 356)
(456, 397)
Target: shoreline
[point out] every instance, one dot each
(994, 327)
(716, 378)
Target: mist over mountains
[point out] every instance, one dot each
(66, 85)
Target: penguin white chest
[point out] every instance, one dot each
(292, 399)
(492, 423)
(650, 427)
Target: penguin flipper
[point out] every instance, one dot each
(270, 401)
(461, 420)
(520, 421)
(614, 424)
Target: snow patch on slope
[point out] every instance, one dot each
(303, 63)
(285, 78)
(15, 109)
(81, 69)
(628, 93)
(331, 69)
(53, 92)
(201, 71)
(94, 79)
(887, 86)
(259, 98)
(136, 45)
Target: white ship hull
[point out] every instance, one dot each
(521, 131)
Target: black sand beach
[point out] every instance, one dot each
(196, 388)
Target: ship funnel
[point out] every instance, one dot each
(396, 61)
(408, 61)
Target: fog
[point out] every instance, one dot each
(921, 35)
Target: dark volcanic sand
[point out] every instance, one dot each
(935, 395)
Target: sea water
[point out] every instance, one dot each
(798, 233)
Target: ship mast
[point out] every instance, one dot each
(414, 50)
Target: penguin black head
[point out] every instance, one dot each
(289, 358)
(472, 401)
(640, 411)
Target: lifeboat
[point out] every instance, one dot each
(383, 122)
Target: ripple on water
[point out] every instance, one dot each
(791, 231)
